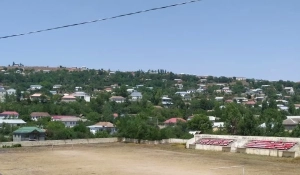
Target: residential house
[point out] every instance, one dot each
(289, 90)
(11, 91)
(178, 80)
(179, 86)
(166, 102)
(250, 103)
(173, 121)
(219, 98)
(117, 99)
(102, 126)
(2, 94)
(35, 87)
(68, 98)
(285, 102)
(36, 96)
(9, 115)
(38, 115)
(108, 89)
(259, 98)
(12, 122)
(240, 78)
(68, 121)
(283, 108)
(78, 88)
(57, 86)
(82, 95)
(114, 86)
(53, 92)
(297, 106)
(182, 94)
(136, 96)
(187, 97)
(291, 122)
(218, 125)
(29, 134)
(228, 101)
(240, 99)
(203, 80)
(226, 90)
(139, 86)
(190, 91)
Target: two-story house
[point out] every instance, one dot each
(9, 115)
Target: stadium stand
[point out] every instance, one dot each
(263, 144)
(214, 141)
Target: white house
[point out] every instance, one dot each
(102, 126)
(166, 102)
(35, 87)
(182, 94)
(219, 98)
(57, 86)
(12, 122)
(136, 96)
(82, 95)
(11, 92)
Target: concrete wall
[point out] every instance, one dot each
(87, 141)
(239, 145)
(164, 141)
(61, 142)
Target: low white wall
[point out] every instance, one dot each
(61, 142)
(164, 141)
(240, 141)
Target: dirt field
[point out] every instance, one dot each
(131, 159)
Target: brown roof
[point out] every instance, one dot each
(40, 114)
(105, 124)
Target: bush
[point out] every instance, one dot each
(12, 146)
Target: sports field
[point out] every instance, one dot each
(131, 159)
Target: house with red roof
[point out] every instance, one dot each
(173, 121)
(9, 115)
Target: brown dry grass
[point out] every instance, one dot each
(132, 159)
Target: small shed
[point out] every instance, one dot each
(29, 134)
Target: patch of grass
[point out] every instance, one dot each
(12, 146)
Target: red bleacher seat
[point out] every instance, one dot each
(214, 141)
(265, 144)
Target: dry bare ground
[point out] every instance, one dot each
(131, 159)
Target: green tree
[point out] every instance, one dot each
(232, 117)
(200, 123)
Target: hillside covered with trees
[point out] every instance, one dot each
(242, 106)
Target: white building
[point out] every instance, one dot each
(11, 92)
(12, 122)
(102, 126)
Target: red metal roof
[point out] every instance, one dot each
(174, 120)
(10, 113)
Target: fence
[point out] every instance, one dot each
(91, 141)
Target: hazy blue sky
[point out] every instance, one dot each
(251, 38)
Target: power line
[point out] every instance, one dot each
(98, 20)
